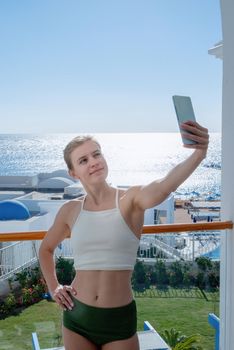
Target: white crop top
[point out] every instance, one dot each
(102, 240)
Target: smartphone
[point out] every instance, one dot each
(184, 111)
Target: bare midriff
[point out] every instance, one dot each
(103, 288)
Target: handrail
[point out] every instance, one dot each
(182, 227)
(147, 229)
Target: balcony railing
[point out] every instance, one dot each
(147, 229)
(24, 251)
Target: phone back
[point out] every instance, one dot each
(184, 112)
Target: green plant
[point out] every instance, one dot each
(188, 279)
(152, 275)
(213, 279)
(65, 271)
(40, 288)
(7, 305)
(2, 309)
(204, 263)
(34, 276)
(21, 277)
(178, 341)
(28, 277)
(161, 273)
(188, 343)
(172, 337)
(32, 286)
(140, 277)
(201, 280)
(176, 274)
(30, 296)
(10, 302)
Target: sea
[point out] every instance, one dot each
(133, 159)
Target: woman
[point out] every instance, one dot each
(105, 227)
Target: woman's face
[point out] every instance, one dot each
(89, 165)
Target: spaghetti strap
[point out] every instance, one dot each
(117, 198)
(82, 203)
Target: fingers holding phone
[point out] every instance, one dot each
(195, 133)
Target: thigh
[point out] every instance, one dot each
(75, 341)
(126, 344)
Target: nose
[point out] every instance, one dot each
(93, 162)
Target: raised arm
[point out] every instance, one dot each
(55, 235)
(157, 191)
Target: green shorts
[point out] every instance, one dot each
(101, 325)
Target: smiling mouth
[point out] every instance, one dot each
(96, 171)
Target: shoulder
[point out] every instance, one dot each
(72, 204)
(69, 209)
(65, 218)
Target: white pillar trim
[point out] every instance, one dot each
(227, 188)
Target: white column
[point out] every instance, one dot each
(227, 242)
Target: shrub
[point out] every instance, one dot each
(213, 279)
(3, 309)
(22, 277)
(30, 296)
(10, 302)
(176, 274)
(32, 288)
(28, 277)
(204, 263)
(201, 280)
(8, 305)
(161, 273)
(140, 277)
(65, 271)
(34, 275)
(189, 279)
(152, 275)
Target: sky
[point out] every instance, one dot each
(97, 66)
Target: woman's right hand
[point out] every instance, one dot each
(62, 297)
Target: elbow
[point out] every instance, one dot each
(44, 251)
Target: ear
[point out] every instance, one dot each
(72, 174)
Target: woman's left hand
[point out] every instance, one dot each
(61, 295)
(195, 132)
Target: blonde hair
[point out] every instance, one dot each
(73, 144)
